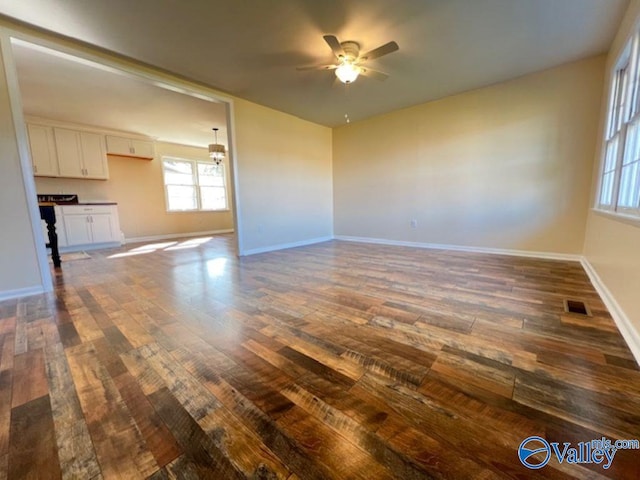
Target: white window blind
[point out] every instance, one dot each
(620, 173)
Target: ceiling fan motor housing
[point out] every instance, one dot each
(351, 51)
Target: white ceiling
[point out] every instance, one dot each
(61, 88)
(251, 48)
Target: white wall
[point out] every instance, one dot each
(19, 268)
(506, 167)
(284, 170)
(612, 246)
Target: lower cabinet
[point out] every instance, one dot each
(88, 225)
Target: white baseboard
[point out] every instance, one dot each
(283, 246)
(625, 327)
(89, 246)
(461, 248)
(153, 238)
(21, 292)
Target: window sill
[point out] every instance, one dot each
(172, 212)
(621, 217)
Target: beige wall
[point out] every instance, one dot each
(508, 166)
(284, 167)
(19, 268)
(611, 245)
(137, 186)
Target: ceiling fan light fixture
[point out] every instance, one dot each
(347, 72)
(217, 151)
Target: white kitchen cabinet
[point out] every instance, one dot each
(77, 229)
(80, 154)
(62, 234)
(89, 225)
(103, 228)
(93, 155)
(43, 150)
(130, 147)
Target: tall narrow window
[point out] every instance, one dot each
(620, 174)
(193, 185)
(614, 132)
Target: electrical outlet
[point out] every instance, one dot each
(414, 223)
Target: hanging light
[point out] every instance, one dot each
(347, 72)
(216, 150)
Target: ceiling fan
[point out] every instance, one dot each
(349, 60)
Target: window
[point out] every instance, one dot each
(620, 175)
(192, 185)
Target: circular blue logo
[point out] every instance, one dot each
(529, 448)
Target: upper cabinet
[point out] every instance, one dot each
(58, 150)
(80, 154)
(130, 147)
(43, 150)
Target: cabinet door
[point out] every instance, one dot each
(77, 229)
(118, 145)
(102, 228)
(93, 156)
(142, 148)
(60, 230)
(43, 150)
(69, 152)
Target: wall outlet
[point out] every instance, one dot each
(414, 223)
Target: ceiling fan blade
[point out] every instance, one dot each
(318, 67)
(380, 51)
(367, 72)
(333, 42)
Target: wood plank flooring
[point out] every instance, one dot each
(332, 361)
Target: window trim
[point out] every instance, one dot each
(195, 162)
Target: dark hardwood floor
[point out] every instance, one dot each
(337, 360)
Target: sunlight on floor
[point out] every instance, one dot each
(153, 247)
(215, 267)
(190, 243)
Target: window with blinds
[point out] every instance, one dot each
(620, 174)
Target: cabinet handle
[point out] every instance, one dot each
(132, 150)
(35, 169)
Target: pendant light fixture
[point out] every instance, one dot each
(216, 150)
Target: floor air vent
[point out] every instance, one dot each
(576, 306)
